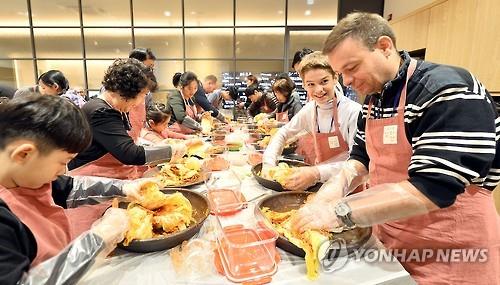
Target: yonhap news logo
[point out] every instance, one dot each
(335, 254)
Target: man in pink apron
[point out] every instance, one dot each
(429, 144)
(326, 142)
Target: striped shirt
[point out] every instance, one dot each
(452, 125)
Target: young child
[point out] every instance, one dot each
(39, 135)
(156, 129)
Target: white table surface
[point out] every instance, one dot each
(156, 268)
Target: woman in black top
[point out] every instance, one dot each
(113, 152)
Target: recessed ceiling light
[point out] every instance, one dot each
(193, 12)
(130, 43)
(280, 12)
(167, 13)
(307, 13)
(310, 2)
(96, 43)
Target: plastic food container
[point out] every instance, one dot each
(223, 192)
(246, 247)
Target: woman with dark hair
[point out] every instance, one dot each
(52, 82)
(182, 103)
(113, 152)
(288, 100)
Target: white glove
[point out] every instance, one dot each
(178, 151)
(111, 228)
(317, 216)
(193, 141)
(302, 178)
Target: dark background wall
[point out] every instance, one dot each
(348, 6)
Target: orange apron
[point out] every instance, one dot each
(46, 220)
(191, 112)
(470, 223)
(326, 146)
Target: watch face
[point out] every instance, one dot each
(342, 209)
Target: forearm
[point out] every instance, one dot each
(191, 123)
(88, 190)
(388, 202)
(68, 266)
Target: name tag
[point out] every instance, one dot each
(390, 134)
(333, 142)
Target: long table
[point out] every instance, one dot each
(156, 268)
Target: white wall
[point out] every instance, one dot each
(399, 8)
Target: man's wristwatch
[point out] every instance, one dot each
(343, 212)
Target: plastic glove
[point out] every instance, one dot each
(352, 174)
(302, 178)
(193, 141)
(317, 216)
(178, 151)
(388, 202)
(265, 170)
(188, 137)
(111, 228)
(132, 189)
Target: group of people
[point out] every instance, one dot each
(422, 152)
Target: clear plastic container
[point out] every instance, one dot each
(246, 247)
(223, 192)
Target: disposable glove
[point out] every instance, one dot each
(302, 178)
(351, 175)
(316, 216)
(178, 151)
(111, 228)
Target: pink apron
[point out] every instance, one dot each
(470, 223)
(282, 117)
(191, 112)
(326, 146)
(46, 220)
(108, 165)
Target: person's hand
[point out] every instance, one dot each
(316, 216)
(178, 151)
(193, 141)
(188, 137)
(111, 228)
(132, 189)
(302, 178)
(264, 172)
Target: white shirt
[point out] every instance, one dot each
(348, 112)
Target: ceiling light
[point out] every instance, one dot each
(167, 13)
(280, 12)
(310, 2)
(96, 43)
(193, 12)
(307, 13)
(130, 43)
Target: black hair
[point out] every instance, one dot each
(183, 79)
(284, 75)
(233, 92)
(142, 54)
(55, 77)
(153, 84)
(176, 78)
(254, 79)
(299, 55)
(51, 122)
(127, 77)
(158, 112)
(250, 90)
